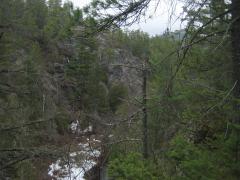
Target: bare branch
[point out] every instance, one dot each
(23, 125)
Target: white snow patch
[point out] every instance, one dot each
(77, 164)
(74, 126)
(88, 129)
(110, 135)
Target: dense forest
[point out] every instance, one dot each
(81, 98)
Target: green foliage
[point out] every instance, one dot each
(189, 101)
(137, 42)
(213, 160)
(62, 122)
(116, 95)
(130, 166)
(59, 21)
(27, 171)
(33, 37)
(88, 77)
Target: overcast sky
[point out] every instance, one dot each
(160, 20)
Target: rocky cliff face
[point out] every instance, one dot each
(121, 67)
(125, 68)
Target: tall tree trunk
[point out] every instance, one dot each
(145, 121)
(235, 37)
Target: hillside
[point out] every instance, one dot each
(80, 98)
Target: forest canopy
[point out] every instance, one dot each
(81, 98)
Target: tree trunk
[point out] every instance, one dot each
(145, 123)
(235, 37)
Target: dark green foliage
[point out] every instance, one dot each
(35, 46)
(213, 160)
(137, 42)
(116, 95)
(62, 122)
(50, 70)
(191, 103)
(131, 166)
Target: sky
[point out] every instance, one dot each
(160, 18)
